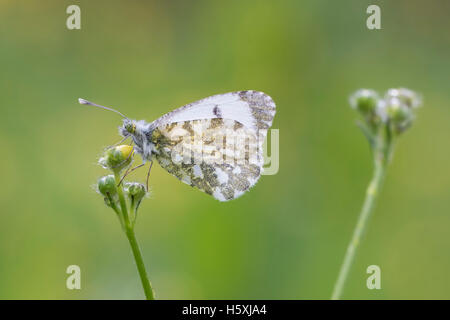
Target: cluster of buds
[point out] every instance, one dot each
(395, 109)
(123, 198)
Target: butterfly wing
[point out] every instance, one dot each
(253, 109)
(215, 144)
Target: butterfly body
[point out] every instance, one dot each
(214, 144)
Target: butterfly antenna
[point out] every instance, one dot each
(82, 101)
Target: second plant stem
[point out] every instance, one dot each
(382, 154)
(129, 231)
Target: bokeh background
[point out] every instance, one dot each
(283, 240)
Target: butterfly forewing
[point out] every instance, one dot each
(253, 109)
(215, 144)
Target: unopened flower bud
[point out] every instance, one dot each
(397, 110)
(408, 97)
(365, 101)
(107, 187)
(117, 158)
(399, 107)
(400, 115)
(135, 192)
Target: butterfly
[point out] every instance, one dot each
(213, 144)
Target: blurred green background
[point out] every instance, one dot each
(286, 238)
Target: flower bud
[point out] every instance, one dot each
(134, 190)
(117, 158)
(107, 185)
(408, 97)
(399, 107)
(399, 114)
(365, 101)
(397, 110)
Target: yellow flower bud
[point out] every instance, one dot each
(125, 150)
(117, 158)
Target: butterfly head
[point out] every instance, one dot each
(128, 128)
(139, 131)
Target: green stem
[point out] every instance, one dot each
(116, 210)
(140, 264)
(123, 204)
(129, 231)
(381, 156)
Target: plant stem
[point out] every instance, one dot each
(117, 211)
(129, 231)
(140, 264)
(381, 158)
(123, 204)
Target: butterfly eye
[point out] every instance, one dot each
(130, 127)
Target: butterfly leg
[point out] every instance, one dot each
(117, 143)
(148, 175)
(129, 171)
